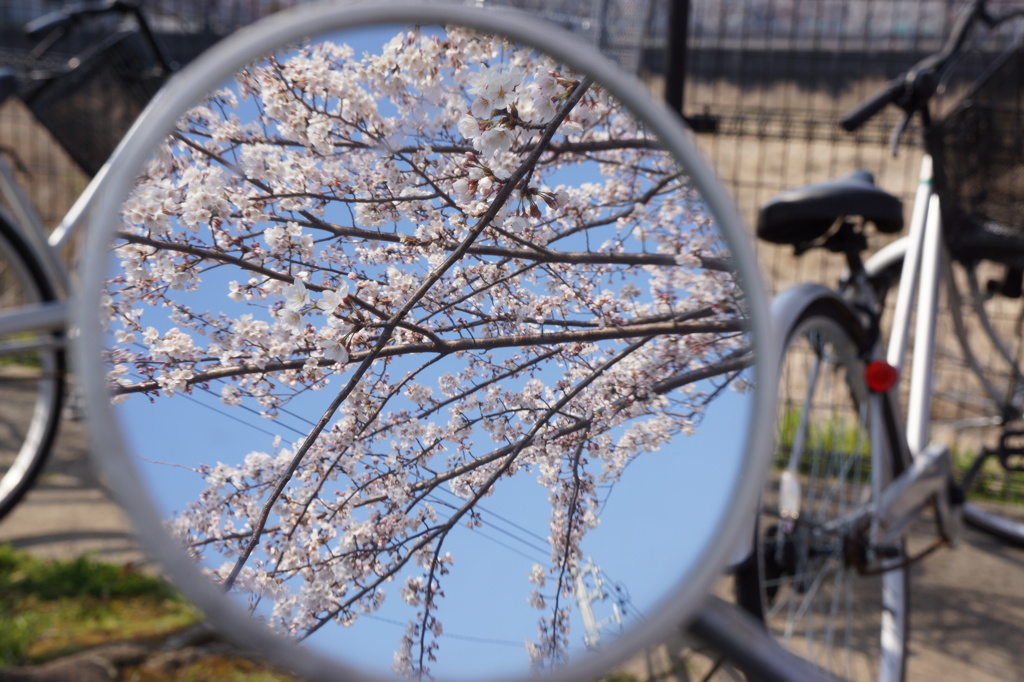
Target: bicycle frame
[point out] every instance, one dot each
(927, 266)
(927, 473)
(930, 473)
(44, 317)
(25, 220)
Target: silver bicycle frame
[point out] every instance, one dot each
(927, 478)
(45, 317)
(927, 469)
(932, 468)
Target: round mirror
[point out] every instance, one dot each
(430, 345)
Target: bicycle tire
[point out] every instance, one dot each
(27, 377)
(977, 344)
(803, 587)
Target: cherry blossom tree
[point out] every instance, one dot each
(474, 262)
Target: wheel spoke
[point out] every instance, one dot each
(812, 599)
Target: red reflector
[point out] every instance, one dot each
(881, 376)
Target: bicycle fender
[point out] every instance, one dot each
(788, 306)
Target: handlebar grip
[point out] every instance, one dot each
(860, 114)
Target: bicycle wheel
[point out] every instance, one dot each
(31, 378)
(978, 388)
(801, 579)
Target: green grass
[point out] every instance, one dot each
(992, 483)
(50, 609)
(26, 359)
(833, 436)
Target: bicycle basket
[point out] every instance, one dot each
(979, 149)
(89, 106)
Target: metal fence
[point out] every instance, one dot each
(765, 79)
(764, 82)
(773, 78)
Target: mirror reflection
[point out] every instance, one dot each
(431, 356)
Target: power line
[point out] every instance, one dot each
(466, 638)
(542, 550)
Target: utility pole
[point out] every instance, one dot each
(586, 596)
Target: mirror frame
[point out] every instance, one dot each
(111, 454)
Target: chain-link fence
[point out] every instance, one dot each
(764, 81)
(769, 77)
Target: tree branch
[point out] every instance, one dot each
(464, 345)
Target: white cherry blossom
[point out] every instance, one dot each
(291, 318)
(372, 226)
(296, 296)
(330, 300)
(334, 350)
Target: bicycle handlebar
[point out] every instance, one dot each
(914, 89)
(56, 24)
(866, 110)
(65, 17)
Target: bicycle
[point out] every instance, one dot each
(87, 103)
(829, 570)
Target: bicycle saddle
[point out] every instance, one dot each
(801, 215)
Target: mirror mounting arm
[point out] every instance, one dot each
(749, 646)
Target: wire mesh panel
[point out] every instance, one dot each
(632, 32)
(777, 75)
(772, 78)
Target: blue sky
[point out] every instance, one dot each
(653, 527)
